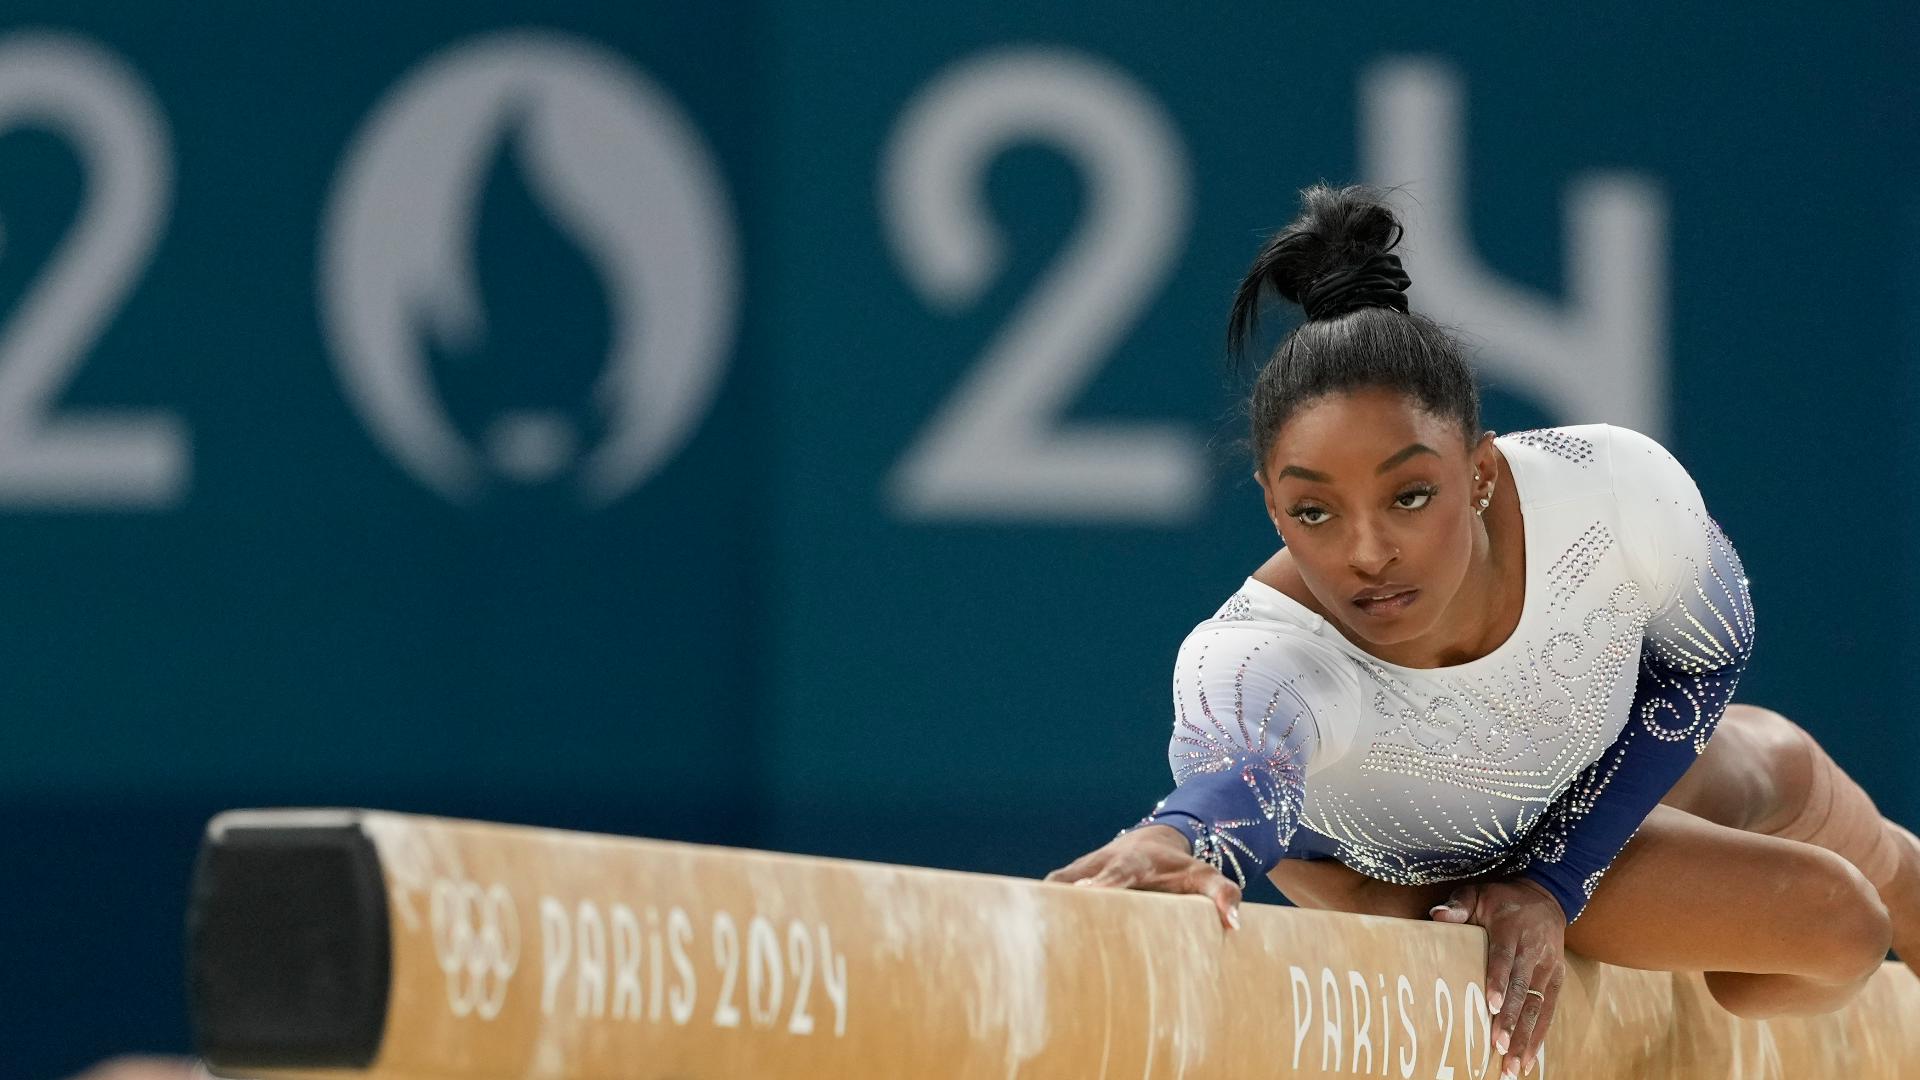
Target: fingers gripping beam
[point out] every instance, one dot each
(412, 948)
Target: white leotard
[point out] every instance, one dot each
(1417, 775)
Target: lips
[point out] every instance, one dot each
(1386, 600)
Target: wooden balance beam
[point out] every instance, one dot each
(412, 948)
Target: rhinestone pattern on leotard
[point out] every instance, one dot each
(1697, 639)
(1571, 569)
(1557, 442)
(1259, 737)
(1237, 607)
(1696, 648)
(1504, 742)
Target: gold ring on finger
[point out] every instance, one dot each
(1538, 994)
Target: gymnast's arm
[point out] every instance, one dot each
(1243, 734)
(1697, 642)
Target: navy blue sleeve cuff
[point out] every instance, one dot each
(1232, 820)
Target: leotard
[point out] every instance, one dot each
(1539, 759)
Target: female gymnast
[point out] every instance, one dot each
(1481, 673)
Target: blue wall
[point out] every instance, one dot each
(805, 428)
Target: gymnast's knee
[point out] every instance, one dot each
(1847, 923)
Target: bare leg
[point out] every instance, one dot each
(1903, 900)
(1763, 773)
(1779, 926)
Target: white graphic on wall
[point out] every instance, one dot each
(1000, 447)
(622, 172)
(115, 459)
(1599, 356)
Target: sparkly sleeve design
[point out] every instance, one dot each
(1698, 638)
(1242, 734)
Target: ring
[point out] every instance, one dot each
(1537, 994)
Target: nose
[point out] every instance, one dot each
(1373, 551)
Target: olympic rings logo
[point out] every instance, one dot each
(476, 936)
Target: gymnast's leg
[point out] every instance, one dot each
(1788, 922)
(1779, 926)
(1764, 773)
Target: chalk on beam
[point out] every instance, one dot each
(410, 948)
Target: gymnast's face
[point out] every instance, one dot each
(1374, 496)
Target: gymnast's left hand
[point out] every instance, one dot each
(1526, 950)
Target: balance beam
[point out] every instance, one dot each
(413, 948)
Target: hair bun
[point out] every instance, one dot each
(1334, 258)
(1378, 282)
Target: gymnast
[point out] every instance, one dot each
(1488, 680)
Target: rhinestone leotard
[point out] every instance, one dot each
(1539, 759)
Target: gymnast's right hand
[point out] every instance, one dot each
(1155, 858)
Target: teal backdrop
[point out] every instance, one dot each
(805, 427)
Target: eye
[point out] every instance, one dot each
(1300, 513)
(1414, 499)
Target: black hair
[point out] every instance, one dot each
(1335, 260)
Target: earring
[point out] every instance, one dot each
(1485, 501)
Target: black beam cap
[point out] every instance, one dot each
(289, 957)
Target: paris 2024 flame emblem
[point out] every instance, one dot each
(610, 158)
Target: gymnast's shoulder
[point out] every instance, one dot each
(1263, 660)
(1560, 464)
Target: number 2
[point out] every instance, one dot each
(999, 448)
(118, 459)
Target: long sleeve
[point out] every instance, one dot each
(1244, 731)
(1698, 637)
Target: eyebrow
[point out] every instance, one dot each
(1322, 478)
